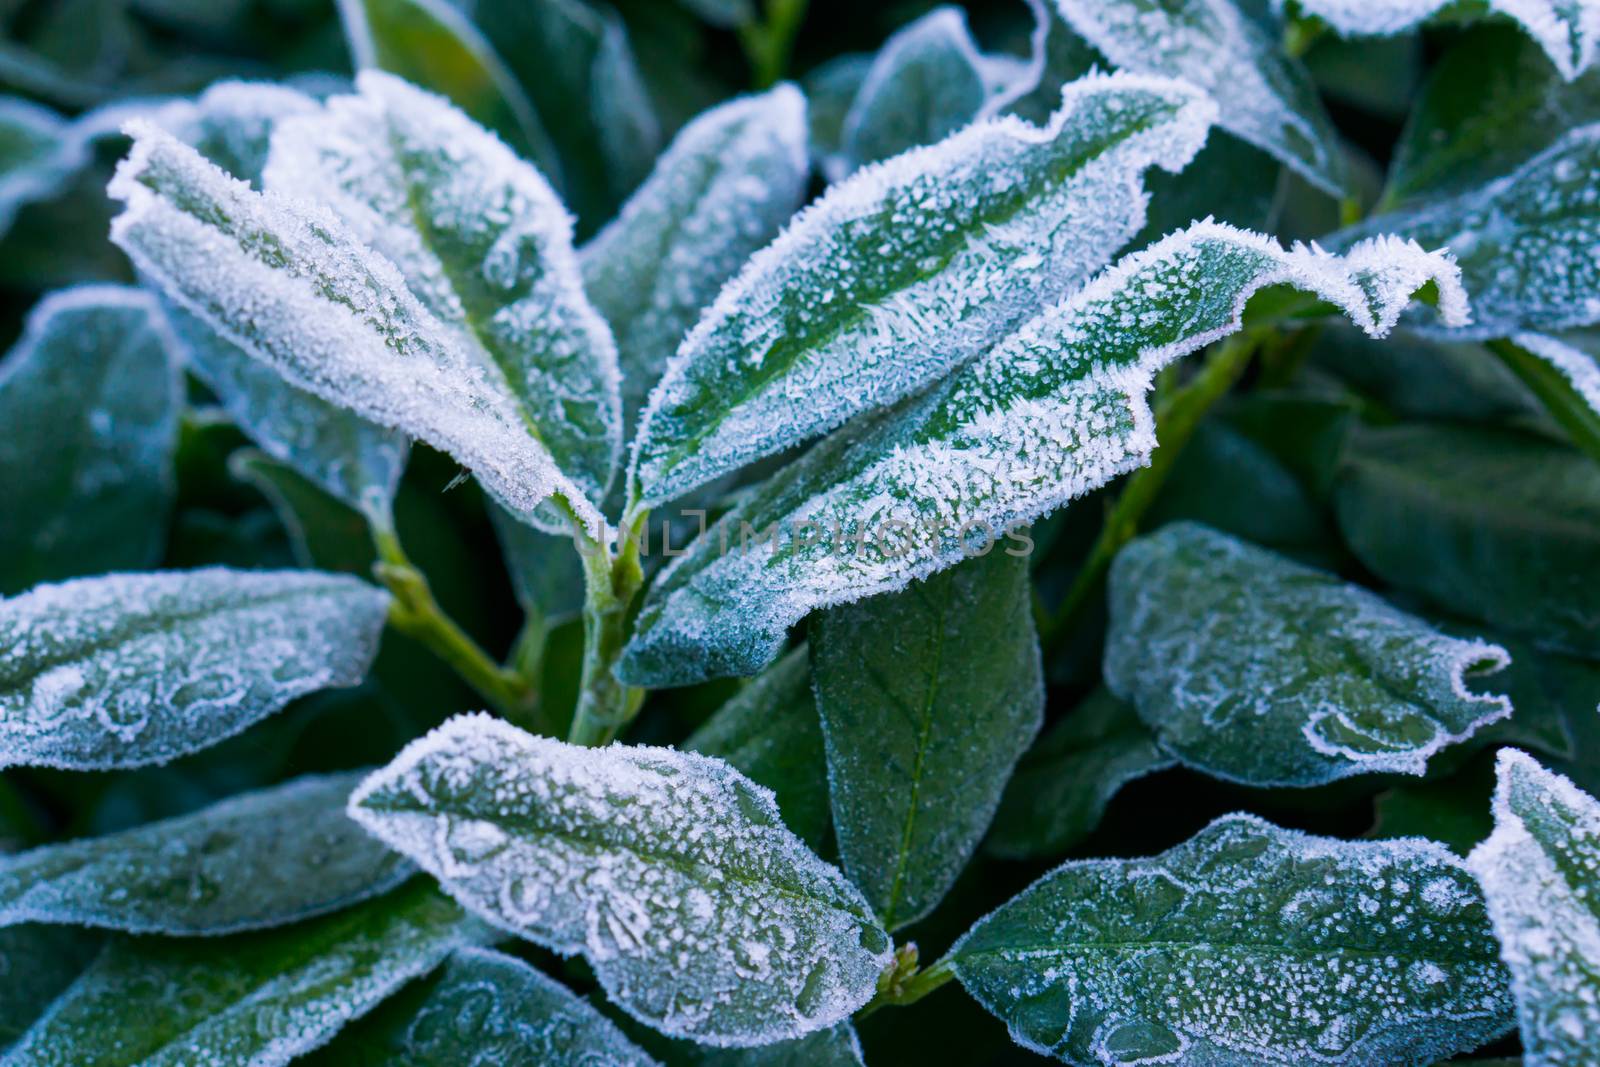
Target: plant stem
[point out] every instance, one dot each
(902, 989)
(768, 43)
(1555, 392)
(415, 613)
(611, 582)
(1176, 421)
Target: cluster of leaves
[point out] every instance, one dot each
(1280, 747)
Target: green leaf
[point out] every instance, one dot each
(1540, 872)
(1452, 810)
(483, 1007)
(770, 732)
(1490, 104)
(1050, 412)
(37, 151)
(261, 998)
(1564, 374)
(711, 921)
(546, 574)
(431, 43)
(89, 400)
(830, 88)
(326, 534)
(484, 244)
(1245, 945)
(232, 124)
(1495, 525)
(835, 1047)
(1262, 96)
(1064, 782)
(38, 962)
(905, 271)
(1058, 56)
(1522, 241)
(926, 82)
(928, 698)
(1417, 377)
(261, 859)
(724, 187)
(575, 62)
(131, 669)
(1259, 670)
(1567, 32)
(724, 13)
(296, 289)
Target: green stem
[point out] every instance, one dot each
(1176, 421)
(1300, 34)
(768, 43)
(899, 989)
(415, 613)
(1555, 392)
(605, 705)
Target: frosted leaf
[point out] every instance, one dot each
(1576, 357)
(1490, 103)
(1487, 522)
(830, 88)
(1540, 872)
(37, 151)
(1256, 669)
(295, 288)
(722, 189)
(672, 873)
(578, 68)
(906, 270)
(1262, 96)
(770, 732)
(837, 1047)
(1065, 781)
(1057, 55)
(926, 82)
(483, 243)
(432, 43)
(924, 727)
(260, 999)
(132, 669)
(89, 402)
(1246, 945)
(36, 964)
(256, 860)
(1050, 412)
(484, 1008)
(1524, 242)
(1567, 30)
(231, 124)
